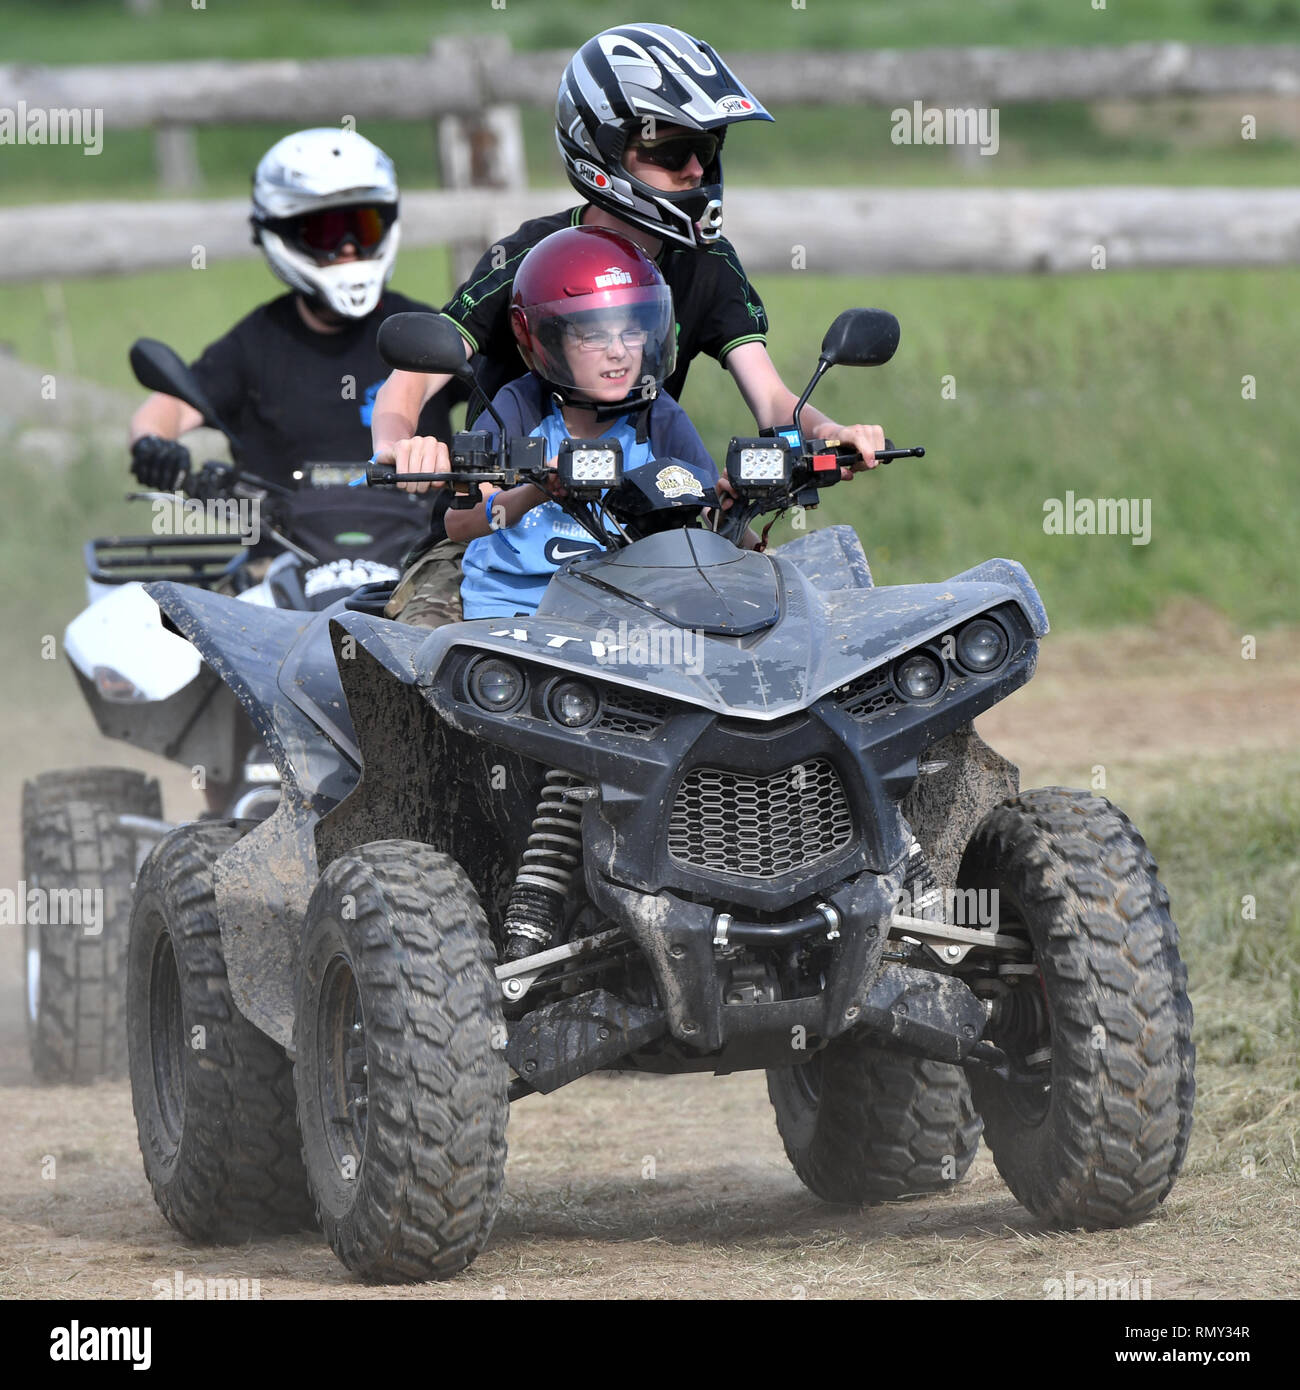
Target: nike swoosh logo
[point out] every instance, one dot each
(558, 556)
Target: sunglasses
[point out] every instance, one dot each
(325, 233)
(673, 152)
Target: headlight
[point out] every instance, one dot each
(762, 465)
(114, 686)
(919, 676)
(595, 466)
(581, 466)
(758, 462)
(496, 685)
(981, 646)
(573, 704)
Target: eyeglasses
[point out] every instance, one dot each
(599, 340)
(324, 233)
(673, 152)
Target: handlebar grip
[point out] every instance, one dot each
(887, 455)
(386, 475)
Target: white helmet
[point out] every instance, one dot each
(314, 192)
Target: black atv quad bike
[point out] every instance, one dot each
(695, 814)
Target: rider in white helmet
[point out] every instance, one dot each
(296, 378)
(313, 193)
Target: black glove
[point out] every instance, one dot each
(214, 480)
(160, 464)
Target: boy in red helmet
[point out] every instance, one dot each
(594, 323)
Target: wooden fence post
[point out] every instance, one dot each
(176, 157)
(480, 150)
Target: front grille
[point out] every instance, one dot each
(626, 712)
(733, 823)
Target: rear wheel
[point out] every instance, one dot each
(862, 1125)
(120, 789)
(213, 1095)
(82, 865)
(1093, 1128)
(401, 1073)
(79, 872)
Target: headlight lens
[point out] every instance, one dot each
(573, 704)
(114, 686)
(919, 676)
(981, 646)
(762, 465)
(496, 685)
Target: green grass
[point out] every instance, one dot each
(1225, 838)
(96, 31)
(1107, 385)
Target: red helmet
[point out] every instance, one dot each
(591, 312)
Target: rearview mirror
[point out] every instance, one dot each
(422, 342)
(861, 338)
(158, 368)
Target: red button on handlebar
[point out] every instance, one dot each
(822, 462)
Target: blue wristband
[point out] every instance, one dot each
(361, 481)
(491, 498)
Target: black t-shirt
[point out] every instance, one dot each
(294, 396)
(717, 308)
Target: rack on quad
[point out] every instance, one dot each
(87, 830)
(514, 851)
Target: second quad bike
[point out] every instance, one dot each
(88, 829)
(514, 851)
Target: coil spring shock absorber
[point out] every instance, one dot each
(536, 907)
(924, 894)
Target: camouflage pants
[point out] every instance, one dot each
(428, 593)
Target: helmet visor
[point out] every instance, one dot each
(613, 345)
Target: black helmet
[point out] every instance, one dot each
(625, 81)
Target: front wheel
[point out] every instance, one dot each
(1091, 1126)
(213, 1095)
(401, 1074)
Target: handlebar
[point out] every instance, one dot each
(812, 466)
(886, 455)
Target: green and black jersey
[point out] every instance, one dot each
(717, 308)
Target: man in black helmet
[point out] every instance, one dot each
(641, 116)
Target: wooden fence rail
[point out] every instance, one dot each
(831, 231)
(461, 78)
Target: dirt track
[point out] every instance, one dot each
(630, 1187)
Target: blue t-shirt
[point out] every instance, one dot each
(507, 571)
